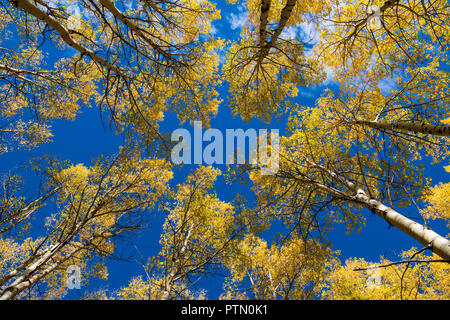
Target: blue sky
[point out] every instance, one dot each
(85, 139)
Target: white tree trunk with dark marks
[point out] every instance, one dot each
(436, 130)
(421, 233)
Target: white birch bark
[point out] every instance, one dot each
(175, 267)
(424, 235)
(31, 276)
(436, 130)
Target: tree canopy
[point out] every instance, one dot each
(361, 148)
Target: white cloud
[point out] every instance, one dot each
(289, 33)
(213, 30)
(309, 33)
(307, 92)
(305, 31)
(386, 85)
(238, 20)
(330, 76)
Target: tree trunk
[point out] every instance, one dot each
(436, 130)
(424, 235)
(265, 7)
(285, 15)
(29, 278)
(175, 268)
